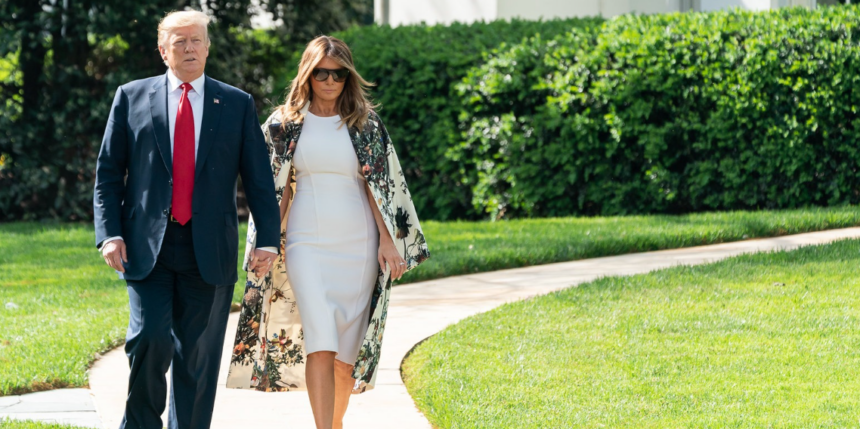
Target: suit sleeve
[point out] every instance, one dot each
(257, 180)
(110, 172)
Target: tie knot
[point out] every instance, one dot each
(185, 86)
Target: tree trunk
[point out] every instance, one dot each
(32, 57)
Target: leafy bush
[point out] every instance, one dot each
(416, 69)
(502, 97)
(61, 62)
(667, 114)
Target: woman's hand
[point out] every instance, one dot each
(387, 251)
(261, 262)
(388, 254)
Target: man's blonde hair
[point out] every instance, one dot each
(179, 19)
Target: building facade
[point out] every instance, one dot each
(404, 12)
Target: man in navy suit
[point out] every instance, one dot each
(165, 217)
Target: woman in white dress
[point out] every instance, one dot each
(333, 243)
(341, 210)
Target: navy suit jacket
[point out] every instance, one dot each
(133, 189)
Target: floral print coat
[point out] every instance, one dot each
(268, 353)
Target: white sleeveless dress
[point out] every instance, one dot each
(332, 240)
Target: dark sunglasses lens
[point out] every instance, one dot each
(340, 75)
(320, 75)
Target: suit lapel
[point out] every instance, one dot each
(212, 104)
(158, 108)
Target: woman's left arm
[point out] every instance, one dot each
(387, 251)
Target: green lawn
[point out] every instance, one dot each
(26, 424)
(60, 305)
(471, 247)
(757, 341)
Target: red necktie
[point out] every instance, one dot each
(183, 158)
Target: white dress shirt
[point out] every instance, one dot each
(195, 97)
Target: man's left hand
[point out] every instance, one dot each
(261, 262)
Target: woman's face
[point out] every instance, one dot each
(327, 90)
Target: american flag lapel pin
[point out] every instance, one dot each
(217, 101)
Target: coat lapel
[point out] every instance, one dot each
(362, 151)
(158, 108)
(212, 105)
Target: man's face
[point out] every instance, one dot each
(185, 51)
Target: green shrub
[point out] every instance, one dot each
(60, 64)
(416, 69)
(503, 96)
(667, 114)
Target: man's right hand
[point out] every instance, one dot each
(114, 254)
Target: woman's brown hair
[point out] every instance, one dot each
(354, 103)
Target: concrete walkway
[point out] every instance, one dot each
(418, 311)
(64, 406)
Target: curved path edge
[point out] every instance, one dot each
(418, 311)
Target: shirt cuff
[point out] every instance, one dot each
(269, 249)
(108, 240)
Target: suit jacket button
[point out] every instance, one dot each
(171, 182)
(165, 212)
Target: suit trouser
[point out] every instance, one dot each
(177, 318)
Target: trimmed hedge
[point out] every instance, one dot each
(664, 113)
(416, 69)
(668, 114)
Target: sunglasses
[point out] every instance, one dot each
(322, 75)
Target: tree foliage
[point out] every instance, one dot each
(60, 62)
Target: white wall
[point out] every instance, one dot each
(618, 7)
(610, 8)
(547, 9)
(805, 3)
(711, 5)
(405, 12)
(653, 6)
(534, 9)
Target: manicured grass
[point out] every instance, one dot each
(471, 247)
(767, 340)
(59, 306)
(28, 424)
(68, 305)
